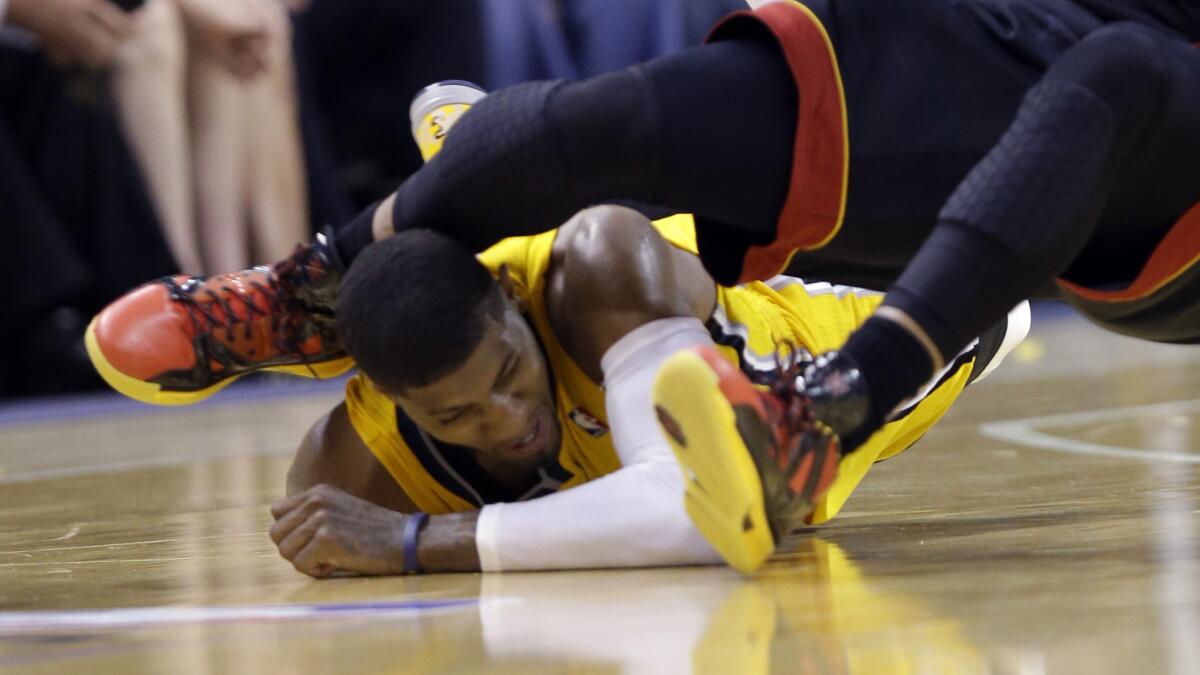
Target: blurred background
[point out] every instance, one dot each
(140, 138)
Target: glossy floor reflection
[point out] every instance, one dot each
(1050, 525)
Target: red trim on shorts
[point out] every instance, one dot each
(812, 212)
(1178, 251)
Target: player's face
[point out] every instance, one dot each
(499, 401)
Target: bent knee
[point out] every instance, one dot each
(1122, 63)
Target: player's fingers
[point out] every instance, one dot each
(299, 537)
(310, 560)
(287, 522)
(285, 505)
(281, 507)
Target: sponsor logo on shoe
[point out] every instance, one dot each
(670, 425)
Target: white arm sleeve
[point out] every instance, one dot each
(3, 10)
(633, 517)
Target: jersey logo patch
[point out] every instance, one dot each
(584, 420)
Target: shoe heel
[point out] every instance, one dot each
(723, 492)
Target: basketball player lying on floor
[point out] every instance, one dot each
(963, 155)
(479, 399)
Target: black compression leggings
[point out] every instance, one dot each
(1115, 121)
(707, 131)
(711, 131)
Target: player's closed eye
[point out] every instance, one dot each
(506, 375)
(451, 419)
(502, 380)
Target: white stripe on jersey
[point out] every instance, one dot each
(782, 281)
(764, 363)
(954, 364)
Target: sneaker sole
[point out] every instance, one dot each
(149, 392)
(723, 494)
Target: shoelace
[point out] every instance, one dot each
(282, 306)
(792, 364)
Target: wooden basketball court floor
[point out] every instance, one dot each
(1049, 525)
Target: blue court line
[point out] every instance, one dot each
(125, 618)
(82, 626)
(414, 605)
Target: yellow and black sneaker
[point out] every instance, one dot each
(179, 339)
(755, 462)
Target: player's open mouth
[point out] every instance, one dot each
(532, 441)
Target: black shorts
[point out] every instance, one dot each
(929, 87)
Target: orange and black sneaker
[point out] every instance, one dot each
(180, 339)
(755, 461)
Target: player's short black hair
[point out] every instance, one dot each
(413, 307)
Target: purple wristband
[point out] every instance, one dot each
(412, 527)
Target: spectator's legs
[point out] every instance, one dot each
(220, 156)
(278, 195)
(75, 218)
(149, 87)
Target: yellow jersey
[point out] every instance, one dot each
(750, 322)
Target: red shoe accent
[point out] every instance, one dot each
(179, 339)
(796, 455)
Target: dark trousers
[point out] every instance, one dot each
(77, 222)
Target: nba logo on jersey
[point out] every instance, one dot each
(584, 420)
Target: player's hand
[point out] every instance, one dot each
(325, 529)
(236, 34)
(85, 32)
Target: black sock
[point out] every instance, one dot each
(959, 283)
(356, 235)
(891, 360)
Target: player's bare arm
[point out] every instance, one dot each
(613, 272)
(344, 511)
(332, 453)
(325, 529)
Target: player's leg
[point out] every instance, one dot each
(708, 131)
(1025, 213)
(520, 162)
(755, 467)
(1150, 288)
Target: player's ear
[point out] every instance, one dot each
(379, 388)
(508, 286)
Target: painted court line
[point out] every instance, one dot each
(1026, 432)
(153, 617)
